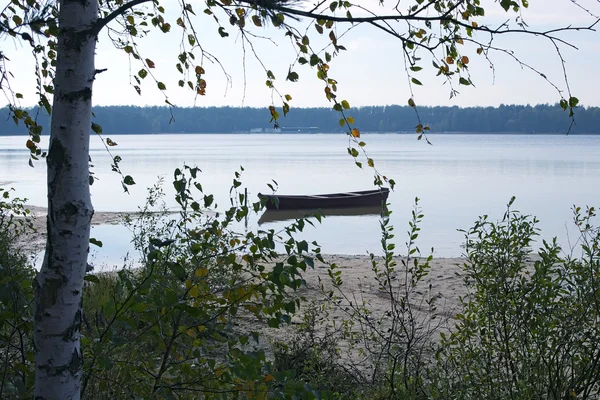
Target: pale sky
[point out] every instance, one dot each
(371, 72)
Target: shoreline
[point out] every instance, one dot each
(445, 281)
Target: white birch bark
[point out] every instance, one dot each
(59, 283)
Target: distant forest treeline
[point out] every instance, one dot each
(506, 118)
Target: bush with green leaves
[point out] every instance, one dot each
(313, 356)
(390, 351)
(16, 296)
(185, 323)
(530, 328)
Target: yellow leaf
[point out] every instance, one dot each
(199, 70)
(371, 163)
(450, 60)
(350, 120)
(479, 50)
(191, 333)
(269, 378)
(465, 60)
(201, 328)
(194, 291)
(474, 24)
(201, 272)
(355, 133)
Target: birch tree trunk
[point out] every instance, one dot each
(59, 284)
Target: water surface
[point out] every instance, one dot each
(457, 179)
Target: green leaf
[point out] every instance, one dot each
(345, 104)
(91, 278)
(96, 128)
(563, 104)
(464, 81)
(96, 242)
(573, 101)
(222, 32)
(161, 86)
(128, 180)
(178, 270)
(416, 81)
(292, 76)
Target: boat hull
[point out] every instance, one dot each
(367, 198)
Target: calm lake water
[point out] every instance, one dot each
(457, 179)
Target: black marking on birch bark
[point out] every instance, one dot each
(84, 94)
(84, 3)
(73, 330)
(69, 209)
(47, 294)
(74, 40)
(72, 367)
(76, 363)
(56, 153)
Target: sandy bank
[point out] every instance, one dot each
(444, 282)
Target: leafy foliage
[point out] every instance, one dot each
(530, 327)
(181, 323)
(16, 296)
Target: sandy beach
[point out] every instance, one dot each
(444, 282)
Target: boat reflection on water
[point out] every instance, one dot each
(270, 216)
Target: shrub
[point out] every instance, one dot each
(179, 325)
(16, 296)
(530, 328)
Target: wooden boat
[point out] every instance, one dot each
(270, 216)
(365, 198)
